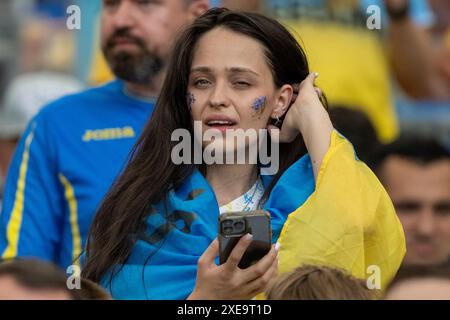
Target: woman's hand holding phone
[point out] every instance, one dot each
(228, 281)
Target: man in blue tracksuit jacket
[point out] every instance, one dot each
(75, 147)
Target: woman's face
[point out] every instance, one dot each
(230, 84)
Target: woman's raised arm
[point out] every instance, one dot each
(308, 116)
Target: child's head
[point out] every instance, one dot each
(318, 283)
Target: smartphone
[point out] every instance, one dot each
(234, 225)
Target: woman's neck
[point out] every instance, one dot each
(231, 181)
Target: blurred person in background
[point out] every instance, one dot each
(356, 126)
(43, 38)
(420, 283)
(32, 279)
(416, 174)
(73, 149)
(310, 282)
(420, 57)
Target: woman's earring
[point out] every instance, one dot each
(278, 122)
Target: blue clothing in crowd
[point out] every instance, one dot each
(65, 163)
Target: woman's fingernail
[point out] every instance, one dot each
(277, 247)
(316, 74)
(248, 236)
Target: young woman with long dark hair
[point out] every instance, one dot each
(153, 236)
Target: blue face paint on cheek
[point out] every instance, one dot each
(259, 103)
(190, 100)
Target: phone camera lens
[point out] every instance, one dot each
(239, 226)
(228, 223)
(228, 230)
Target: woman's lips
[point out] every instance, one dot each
(221, 127)
(220, 122)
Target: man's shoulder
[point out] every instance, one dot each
(90, 100)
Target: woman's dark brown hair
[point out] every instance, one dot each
(318, 283)
(150, 173)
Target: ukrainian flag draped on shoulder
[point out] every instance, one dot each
(345, 220)
(349, 221)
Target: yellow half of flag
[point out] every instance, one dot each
(349, 221)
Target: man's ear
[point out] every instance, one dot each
(197, 8)
(283, 101)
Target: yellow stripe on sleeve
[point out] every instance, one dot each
(73, 210)
(15, 222)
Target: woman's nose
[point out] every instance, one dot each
(219, 96)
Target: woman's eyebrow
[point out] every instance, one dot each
(242, 70)
(232, 70)
(201, 69)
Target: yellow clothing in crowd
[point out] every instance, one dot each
(353, 70)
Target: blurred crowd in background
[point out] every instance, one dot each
(388, 89)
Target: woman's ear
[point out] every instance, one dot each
(283, 101)
(197, 8)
